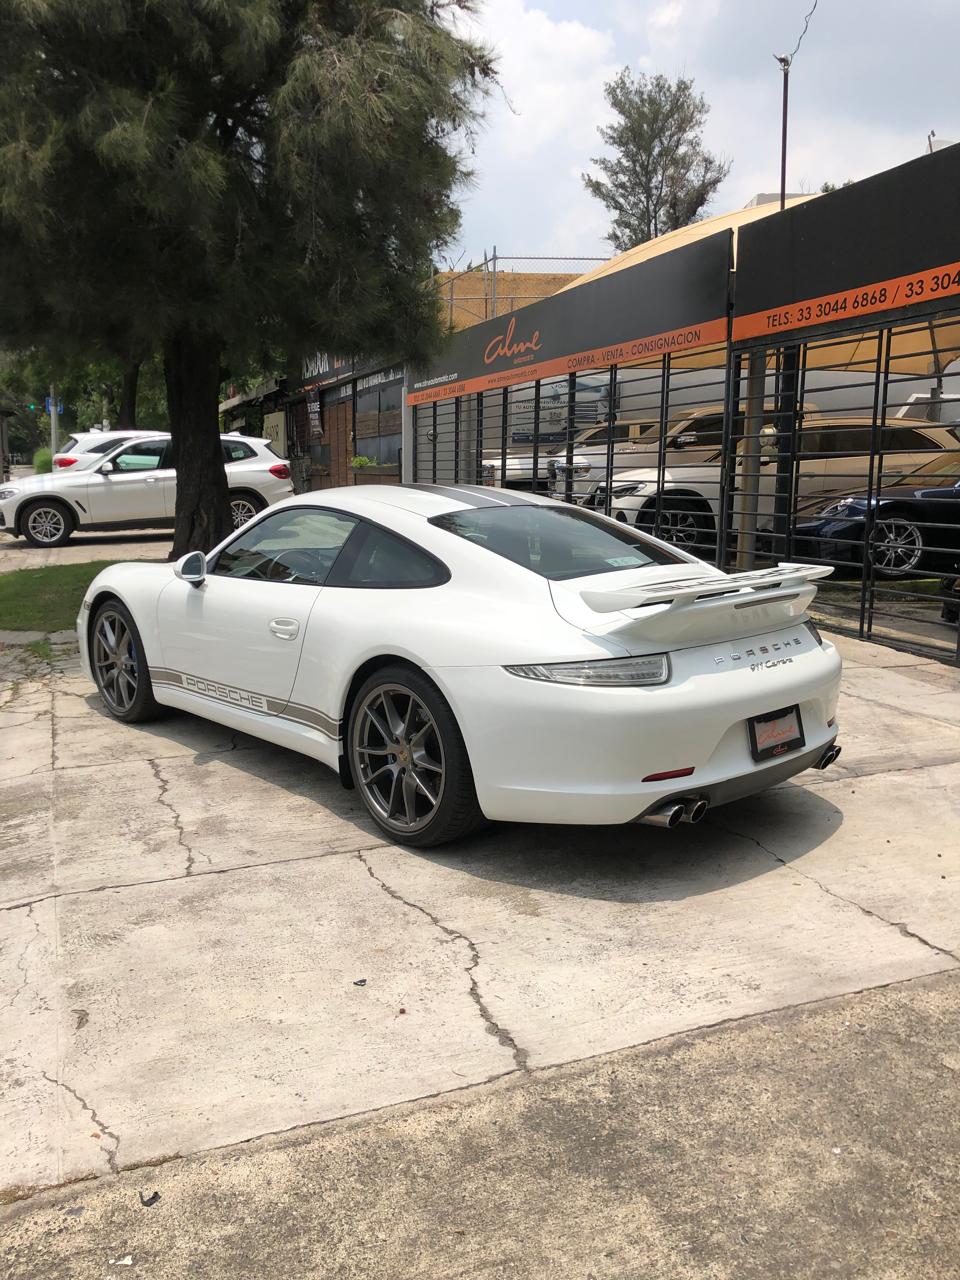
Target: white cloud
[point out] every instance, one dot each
(539, 133)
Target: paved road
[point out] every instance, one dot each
(205, 941)
(16, 553)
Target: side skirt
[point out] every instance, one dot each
(271, 727)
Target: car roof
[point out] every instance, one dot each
(426, 500)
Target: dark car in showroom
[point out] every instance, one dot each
(915, 527)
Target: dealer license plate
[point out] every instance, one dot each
(775, 733)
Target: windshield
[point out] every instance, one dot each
(943, 466)
(555, 542)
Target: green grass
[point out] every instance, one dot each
(45, 599)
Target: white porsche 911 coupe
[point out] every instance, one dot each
(462, 654)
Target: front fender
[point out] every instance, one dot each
(136, 585)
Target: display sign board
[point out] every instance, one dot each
(672, 303)
(886, 243)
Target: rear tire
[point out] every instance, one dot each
(47, 523)
(120, 665)
(896, 548)
(244, 506)
(409, 761)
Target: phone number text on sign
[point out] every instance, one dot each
(939, 282)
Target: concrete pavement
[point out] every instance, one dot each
(205, 941)
(16, 553)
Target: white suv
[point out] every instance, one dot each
(134, 487)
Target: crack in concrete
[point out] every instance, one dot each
(891, 706)
(178, 824)
(500, 1033)
(21, 967)
(214, 871)
(111, 1154)
(902, 928)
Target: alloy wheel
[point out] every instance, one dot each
(897, 546)
(46, 524)
(115, 661)
(241, 510)
(398, 757)
(678, 527)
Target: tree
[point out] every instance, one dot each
(832, 186)
(227, 181)
(660, 178)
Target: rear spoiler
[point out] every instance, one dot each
(754, 587)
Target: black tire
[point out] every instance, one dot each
(120, 670)
(244, 505)
(392, 770)
(897, 546)
(46, 522)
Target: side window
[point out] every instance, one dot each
(375, 558)
(297, 545)
(145, 455)
(106, 445)
(236, 451)
(708, 431)
(897, 439)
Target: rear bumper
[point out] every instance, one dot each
(543, 752)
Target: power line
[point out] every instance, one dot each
(806, 24)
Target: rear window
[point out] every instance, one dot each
(69, 444)
(555, 542)
(237, 451)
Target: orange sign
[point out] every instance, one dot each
(902, 291)
(710, 333)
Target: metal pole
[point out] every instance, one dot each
(750, 482)
(494, 281)
(54, 418)
(785, 65)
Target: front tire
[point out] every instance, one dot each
(120, 665)
(409, 761)
(46, 523)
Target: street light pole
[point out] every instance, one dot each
(785, 68)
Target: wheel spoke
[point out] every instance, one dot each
(394, 788)
(380, 726)
(392, 715)
(410, 796)
(431, 796)
(109, 635)
(384, 768)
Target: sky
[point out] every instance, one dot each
(871, 79)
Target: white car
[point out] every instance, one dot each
(462, 654)
(134, 486)
(834, 457)
(84, 446)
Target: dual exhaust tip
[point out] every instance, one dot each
(676, 811)
(694, 809)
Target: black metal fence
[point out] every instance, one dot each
(842, 448)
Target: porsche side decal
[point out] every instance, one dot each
(246, 699)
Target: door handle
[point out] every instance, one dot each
(150, 479)
(285, 628)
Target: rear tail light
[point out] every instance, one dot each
(64, 462)
(280, 470)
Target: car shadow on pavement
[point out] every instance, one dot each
(636, 863)
(630, 863)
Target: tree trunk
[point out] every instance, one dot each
(191, 370)
(127, 413)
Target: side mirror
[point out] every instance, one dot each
(192, 568)
(105, 468)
